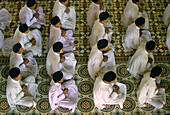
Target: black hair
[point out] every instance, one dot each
(16, 47)
(101, 44)
(23, 28)
(95, 1)
(57, 46)
(109, 76)
(140, 21)
(14, 72)
(57, 76)
(150, 45)
(55, 20)
(134, 1)
(156, 71)
(103, 16)
(62, 0)
(30, 3)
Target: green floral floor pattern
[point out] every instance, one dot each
(85, 103)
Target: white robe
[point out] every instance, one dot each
(68, 20)
(93, 15)
(26, 15)
(67, 67)
(138, 63)
(148, 93)
(96, 63)
(166, 17)
(145, 37)
(55, 36)
(15, 95)
(98, 32)
(131, 13)
(58, 98)
(131, 38)
(16, 60)
(24, 40)
(1, 38)
(5, 18)
(103, 93)
(168, 38)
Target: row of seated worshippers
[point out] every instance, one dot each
(61, 61)
(101, 63)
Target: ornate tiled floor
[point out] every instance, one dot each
(85, 106)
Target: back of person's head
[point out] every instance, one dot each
(150, 45)
(55, 20)
(16, 47)
(95, 1)
(57, 76)
(156, 71)
(23, 28)
(14, 72)
(30, 3)
(62, 0)
(140, 21)
(103, 16)
(134, 1)
(57, 46)
(109, 76)
(101, 44)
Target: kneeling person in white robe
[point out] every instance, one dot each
(63, 94)
(30, 40)
(149, 91)
(131, 39)
(99, 31)
(131, 12)
(56, 61)
(101, 58)
(96, 7)
(66, 14)
(105, 92)
(56, 34)
(142, 59)
(33, 18)
(18, 92)
(26, 63)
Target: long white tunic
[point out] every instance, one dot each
(145, 37)
(148, 92)
(93, 15)
(168, 38)
(15, 95)
(96, 63)
(138, 63)
(166, 17)
(131, 38)
(16, 60)
(5, 18)
(131, 13)
(68, 20)
(26, 15)
(1, 38)
(67, 67)
(104, 94)
(55, 33)
(24, 40)
(58, 98)
(55, 36)
(98, 32)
